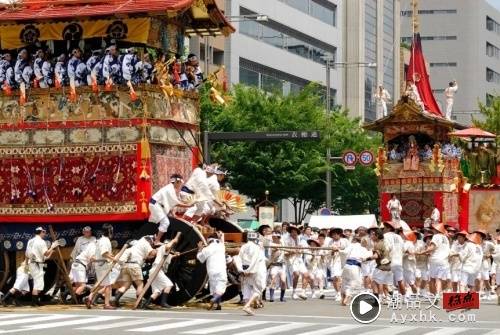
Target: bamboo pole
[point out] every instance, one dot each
(62, 265)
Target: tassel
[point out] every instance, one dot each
(36, 83)
(144, 206)
(6, 88)
(72, 90)
(95, 87)
(145, 148)
(216, 97)
(133, 95)
(144, 173)
(57, 81)
(109, 83)
(22, 95)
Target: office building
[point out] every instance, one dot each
(461, 40)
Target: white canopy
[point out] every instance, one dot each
(343, 221)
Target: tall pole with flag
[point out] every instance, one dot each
(417, 69)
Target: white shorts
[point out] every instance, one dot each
(422, 273)
(276, 270)
(455, 276)
(253, 283)
(336, 269)
(297, 265)
(367, 268)
(494, 267)
(36, 272)
(196, 210)
(22, 281)
(483, 275)
(218, 282)
(382, 277)
(397, 272)
(409, 277)
(468, 279)
(438, 271)
(107, 279)
(78, 273)
(351, 279)
(157, 213)
(161, 282)
(318, 273)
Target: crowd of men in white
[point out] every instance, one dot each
(386, 260)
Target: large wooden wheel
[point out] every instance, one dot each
(186, 272)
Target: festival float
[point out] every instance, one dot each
(429, 161)
(77, 156)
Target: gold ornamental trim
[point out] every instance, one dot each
(71, 209)
(90, 149)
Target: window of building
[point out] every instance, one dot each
(492, 25)
(272, 80)
(429, 11)
(450, 64)
(492, 76)
(283, 37)
(492, 51)
(322, 10)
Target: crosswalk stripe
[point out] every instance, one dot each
(392, 330)
(122, 324)
(73, 322)
(330, 330)
(446, 331)
(275, 329)
(10, 316)
(231, 326)
(174, 325)
(35, 319)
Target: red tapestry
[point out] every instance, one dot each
(103, 181)
(168, 160)
(416, 206)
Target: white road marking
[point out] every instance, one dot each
(392, 330)
(35, 319)
(10, 316)
(230, 326)
(331, 330)
(73, 322)
(276, 329)
(123, 324)
(174, 325)
(447, 331)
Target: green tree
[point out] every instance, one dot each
(289, 170)
(491, 114)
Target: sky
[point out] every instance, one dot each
(495, 3)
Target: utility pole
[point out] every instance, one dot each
(328, 152)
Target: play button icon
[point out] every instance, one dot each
(365, 308)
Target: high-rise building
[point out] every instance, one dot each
(371, 34)
(461, 41)
(279, 45)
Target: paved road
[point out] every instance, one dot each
(314, 317)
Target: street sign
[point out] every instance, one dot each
(366, 157)
(349, 158)
(311, 135)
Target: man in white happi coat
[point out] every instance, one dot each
(37, 253)
(394, 245)
(471, 255)
(21, 285)
(435, 215)
(163, 202)
(438, 251)
(132, 261)
(82, 242)
(161, 285)
(395, 208)
(104, 273)
(214, 255)
(382, 97)
(409, 260)
(351, 272)
(339, 246)
(215, 175)
(488, 248)
(254, 271)
(449, 94)
(316, 266)
(454, 260)
(197, 188)
(496, 260)
(368, 266)
(295, 262)
(277, 267)
(79, 267)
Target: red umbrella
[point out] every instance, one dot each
(472, 133)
